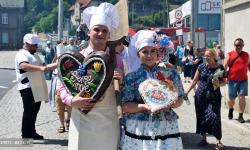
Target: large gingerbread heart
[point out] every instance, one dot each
(157, 94)
(93, 73)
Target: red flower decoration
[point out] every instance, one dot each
(160, 76)
(68, 64)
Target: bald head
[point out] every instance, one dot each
(71, 41)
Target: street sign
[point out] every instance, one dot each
(179, 23)
(178, 14)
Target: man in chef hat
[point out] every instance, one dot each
(101, 124)
(28, 67)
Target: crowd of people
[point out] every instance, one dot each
(137, 61)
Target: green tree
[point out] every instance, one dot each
(72, 32)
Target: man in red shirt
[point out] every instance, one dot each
(237, 77)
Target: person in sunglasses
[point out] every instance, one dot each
(238, 62)
(64, 43)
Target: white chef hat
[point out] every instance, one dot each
(141, 39)
(31, 39)
(60, 49)
(106, 14)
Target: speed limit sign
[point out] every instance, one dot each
(178, 14)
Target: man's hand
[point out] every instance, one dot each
(80, 102)
(44, 69)
(118, 75)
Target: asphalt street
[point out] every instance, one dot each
(7, 76)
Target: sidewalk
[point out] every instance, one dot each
(241, 128)
(11, 109)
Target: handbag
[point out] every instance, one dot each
(233, 63)
(212, 97)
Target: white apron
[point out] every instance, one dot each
(126, 71)
(97, 130)
(39, 87)
(38, 83)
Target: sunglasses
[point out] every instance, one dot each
(238, 45)
(188, 42)
(64, 43)
(208, 56)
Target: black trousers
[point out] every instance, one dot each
(187, 70)
(30, 112)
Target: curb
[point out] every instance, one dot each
(236, 127)
(225, 122)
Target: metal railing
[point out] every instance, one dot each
(54, 38)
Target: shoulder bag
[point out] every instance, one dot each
(233, 62)
(212, 97)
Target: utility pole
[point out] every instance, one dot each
(168, 13)
(60, 20)
(133, 15)
(192, 29)
(164, 13)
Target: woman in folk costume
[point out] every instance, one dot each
(99, 129)
(143, 130)
(49, 54)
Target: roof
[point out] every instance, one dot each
(82, 1)
(12, 3)
(72, 8)
(85, 3)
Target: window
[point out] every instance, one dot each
(214, 22)
(209, 22)
(134, 7)
(5, 38)
(188, 22)
(143, 7)
(174, 36)
(4, 18)
(76, 5)
(76, 13)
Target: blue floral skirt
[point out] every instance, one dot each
(147, 135)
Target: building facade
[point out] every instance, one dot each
(236, 25)
(143, 7)
(12, 24)
(207, 15)
(78, 8)
(140, 7)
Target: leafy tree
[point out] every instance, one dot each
(72, 32)
(37, 27)
(113, 1)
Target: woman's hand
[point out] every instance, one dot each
(118, 75)
(216, 83)
(80, 102)
(185, 96)
(146, 108)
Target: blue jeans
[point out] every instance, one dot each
(237, 86)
